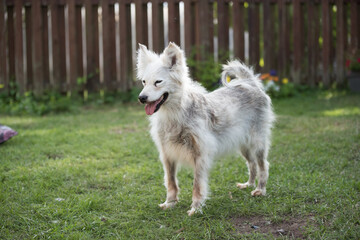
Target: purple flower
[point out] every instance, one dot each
(273, 72)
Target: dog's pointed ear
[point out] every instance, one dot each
(143, 54)
(143, 58)
(173, 56)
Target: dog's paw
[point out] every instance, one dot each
(193, 211)
(167, 204)
(244, 185)
(258, 192)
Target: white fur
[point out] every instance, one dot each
(194, 127)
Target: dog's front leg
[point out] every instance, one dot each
(200, 187)
(170, 183)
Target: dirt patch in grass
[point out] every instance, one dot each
(292, 227)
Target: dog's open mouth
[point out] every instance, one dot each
(152, 107)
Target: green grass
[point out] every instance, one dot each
(95, 174)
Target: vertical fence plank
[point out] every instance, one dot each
(223, 30)
(313, 42)
(174, 22)
(55, 46)
(297, 40)
(109, 47)
(19, 55)
(105, 17)
(45, 40)
(62, 47)
(254, 35)
(326, 45)
(355, 19)
(189, 22)
(283, 39)
(157, 26)
(126, 65)
(239, 28)
(72, 45)
(92, 46)
(269, 37)
(209, 16)
(141, 22)
(3, 72)
(358, 25)
(28, 35)
(112, 47)
(10, 42)
(346, 28)
(203, 29)
(79, 42)
(340, 42)
(37, 48)
(58, 45)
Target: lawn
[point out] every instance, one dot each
(95, 174)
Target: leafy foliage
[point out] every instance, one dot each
(207, 72)
(13, 102)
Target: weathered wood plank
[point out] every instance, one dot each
(239, 29)
(355, 26)
(313, 42)
(11, 42)
(340, 42)
(254, 35)
(174, 22)
(157, 26)
(72, 45)
(298, 46)
(326, 45)
(204, 29)
(109, 46)
(58, 46)
(92, 46)
(45, 40)
(189, 22)
(19, 54)
(126, 65)
(284, 39)
(141, 22)
(37, 47)
(223, 30)
(269, 37)
(79, 42)
(3, 59)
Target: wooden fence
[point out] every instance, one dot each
(67, 45)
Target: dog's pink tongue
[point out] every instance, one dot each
(150, 107)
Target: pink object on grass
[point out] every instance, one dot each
(6, 133)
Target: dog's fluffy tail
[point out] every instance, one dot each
(239, 73)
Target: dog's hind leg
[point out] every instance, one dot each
(252, 166)
(263, 165)
(171, 185)
(200, 187)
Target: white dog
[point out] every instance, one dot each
(193, 127)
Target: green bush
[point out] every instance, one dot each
(206, 72)
(12, 102)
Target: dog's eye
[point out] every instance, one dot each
(157, 82)
(143, 81)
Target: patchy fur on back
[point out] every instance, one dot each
(193, 127)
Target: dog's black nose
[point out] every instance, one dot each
(143, 98)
